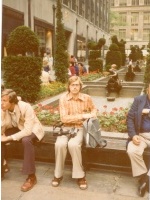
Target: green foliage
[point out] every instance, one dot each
(94, 54)
(61, 56)
(136, 53)
(121, 46)
(51, 90)
(91, 76)
(115, 120)
(147, 72)
(22, 74)
(22, 40)
(96, 65)
(114, 47)
(47, 115)
(101, 42)
(114, 56)
(92, 45)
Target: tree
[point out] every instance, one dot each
(61, 56)
(22, 73)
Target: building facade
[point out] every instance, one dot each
(83, 20)
(131, 22)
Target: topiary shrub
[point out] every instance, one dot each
(96, 65)
(114, 56)
(22, 73)
(22, 40)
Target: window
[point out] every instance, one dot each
(40, 31)
(81, 8)
(146, 2)
(134, 34)
(112, 3)
(134, 19)
(74, 5)
(66, 2)
(122, 34)
(146, 18)
(92, 11)
(146, 34)
(135, 2)
(122, 3)
(123, 19)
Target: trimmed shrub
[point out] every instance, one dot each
(114, 56)
(22, 40)
(22, 74)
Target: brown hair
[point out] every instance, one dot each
(73, 79)
(12, 95)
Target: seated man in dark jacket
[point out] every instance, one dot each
(138, 124)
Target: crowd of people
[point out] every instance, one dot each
(75, 67)
(20, 123)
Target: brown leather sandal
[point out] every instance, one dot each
(56, 181)
(82, 183)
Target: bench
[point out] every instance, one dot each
(112, 157)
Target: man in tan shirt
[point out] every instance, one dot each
(75, 107)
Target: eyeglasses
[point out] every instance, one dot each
(75, 85)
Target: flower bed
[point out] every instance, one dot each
(113, 121)
(91, 76)
(51, 89)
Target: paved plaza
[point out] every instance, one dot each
(102, 185)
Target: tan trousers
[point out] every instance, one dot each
(135, 153)
(74, 147)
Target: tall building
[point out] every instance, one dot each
(83, 20)
(130, 20)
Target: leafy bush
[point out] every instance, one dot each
(22, 74)
(115, 120)
(114, 56)
(96, 65)
(91, 76)
(51, 90)
(22, 40)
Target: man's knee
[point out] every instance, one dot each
(60, 145)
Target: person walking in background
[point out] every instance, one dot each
(19, 122)
(138, 125)
(75, 107)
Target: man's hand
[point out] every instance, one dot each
(136, 140)
(5, 138)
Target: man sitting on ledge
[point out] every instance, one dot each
(75, 107)
(19, 122)
(138, 124)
